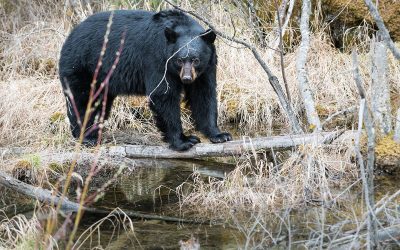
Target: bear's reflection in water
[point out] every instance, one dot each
(153, 187)
(143, 184)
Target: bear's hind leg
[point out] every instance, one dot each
(79, 87)
(77, 96)
(97, 119)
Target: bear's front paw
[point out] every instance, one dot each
(185, 143)
(183, 146)
(89, 142)
(192, 138)
(222, 137)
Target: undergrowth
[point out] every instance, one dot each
(263, 189)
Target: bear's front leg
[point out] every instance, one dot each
(167, 114)
(203, 104)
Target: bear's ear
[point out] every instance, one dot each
(170, 34)
(209, 36)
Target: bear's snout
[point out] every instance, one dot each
(188, 73)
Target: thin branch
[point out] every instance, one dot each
(381, 25)
(288, 16)
(340, 112)
(255, 21)
(164, 78)
(281, 51)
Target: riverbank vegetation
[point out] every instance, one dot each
(312, 195)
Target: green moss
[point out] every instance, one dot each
(387, 147)
(57, 116)
(34, 160)
(59, 168)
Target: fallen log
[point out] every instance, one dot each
(231, 148)
(38, 193)
(47, 197)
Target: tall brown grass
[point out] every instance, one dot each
(32, 96)
(33, 115)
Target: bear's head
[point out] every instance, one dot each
(192, 51)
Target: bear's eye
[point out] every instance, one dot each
(196, 61)
(179, 61)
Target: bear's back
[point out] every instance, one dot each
(145, 49)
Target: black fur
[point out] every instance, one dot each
(151, 38)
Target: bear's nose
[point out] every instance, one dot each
(186, 79)
(186, 73)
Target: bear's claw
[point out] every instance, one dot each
(222, 137)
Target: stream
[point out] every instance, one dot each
(150, 188)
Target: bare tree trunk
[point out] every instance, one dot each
(368, 175)
(380, 97)
(312, 115)
(379, 22)
(396, 136)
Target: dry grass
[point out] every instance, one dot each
(311, 175)
(32, 113)
(31, 93)
(19, 232)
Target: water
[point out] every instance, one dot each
(151, 189)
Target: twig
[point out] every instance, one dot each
(388, 233)
(255, 21)
(340, 112)
(281, 51)
(379, 207)
(94, 168)
(92, 105)
(164, 78)
(304, 86)
(294, 121)
(379, 22)
(288, 16)
(275, 41)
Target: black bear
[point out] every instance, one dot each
(164, 55)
